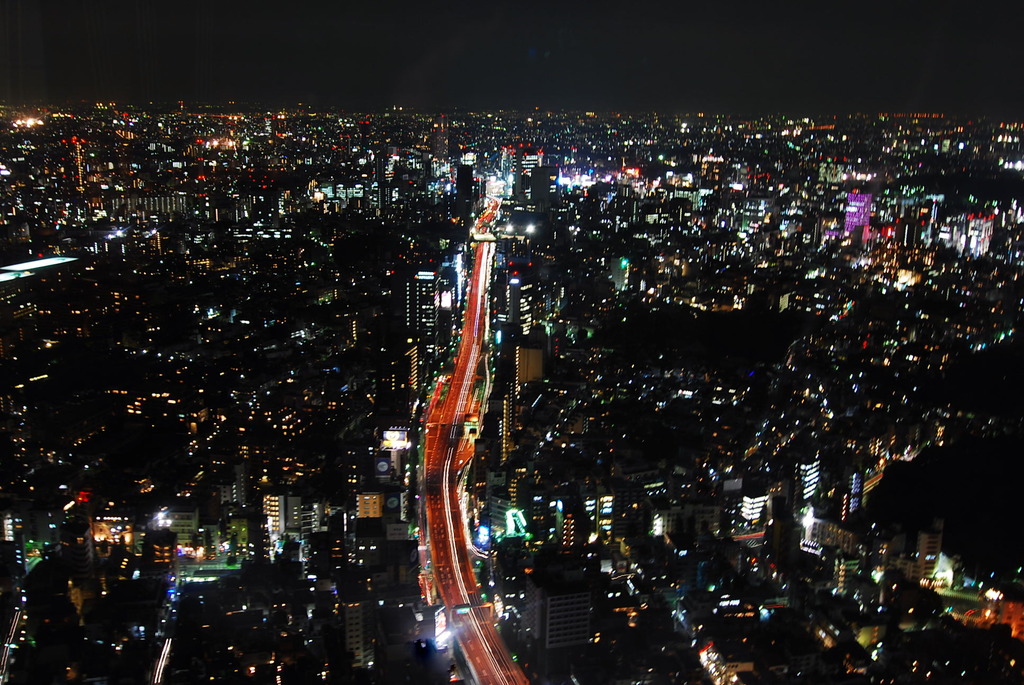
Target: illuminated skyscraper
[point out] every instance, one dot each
(439, 138)
(520, 161)
(711, 170)
(364, 134)
(520, 303)
(858, 214)
(421, 305)
(810, 476)
(979, 234)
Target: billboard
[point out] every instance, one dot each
(394, 502)
(397, 531)
(382, 466)
(395, 439)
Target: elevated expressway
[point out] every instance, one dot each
(448, 449)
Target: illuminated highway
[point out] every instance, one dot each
(15, 614)
(448, 449)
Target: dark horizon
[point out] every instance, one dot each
(746, 57)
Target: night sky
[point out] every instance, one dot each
(740, 56)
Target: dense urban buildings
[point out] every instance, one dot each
(301, 395)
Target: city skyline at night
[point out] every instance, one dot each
(562, 343)
(295, 396)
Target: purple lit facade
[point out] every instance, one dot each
(858, 212)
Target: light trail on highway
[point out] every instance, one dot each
(161, 662)
(448, 449)
(9, 644)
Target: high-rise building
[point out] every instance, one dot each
(357, 617)
(439, 138)
(158, 551)
(556, 615)
(519, 162)
(753, 507)
(629, 515)
(364, 134)
(711, 170)
(929, 546)
(544, 187)
(979, 234)
(520, 303)
(857, 221)
(810, 475)
(572, 524)
(466, 193)
(529, 365)
(76, 547)
(400, 372)
(284, 515)
(370, 505)
(422, 301)
(506, 426)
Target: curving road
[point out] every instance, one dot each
(448, 449)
